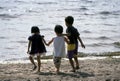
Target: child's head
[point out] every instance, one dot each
(58, 29)
(69, 20)
(35, 29)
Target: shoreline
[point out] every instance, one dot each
(81, 56)
(44, 60)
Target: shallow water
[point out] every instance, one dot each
(96, 20)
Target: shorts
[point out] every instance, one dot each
(70, 50)
(57, 61)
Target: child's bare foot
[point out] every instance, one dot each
(37, 72)
(77, 67)
(57, 72)
(34, 67)
(73, 70)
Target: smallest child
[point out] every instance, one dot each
(59, 46)
(36, 47)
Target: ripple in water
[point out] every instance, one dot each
(2, 37)
(105, 12)
(117, 44)
(103, 38)
(7, 16)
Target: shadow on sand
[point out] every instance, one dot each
(71, 74)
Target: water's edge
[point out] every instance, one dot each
(81, 56)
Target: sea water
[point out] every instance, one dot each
(98, 22)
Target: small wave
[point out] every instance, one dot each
(46, 29)
(7, 16)
(32, 11)
(114, 31)
(80, 9)
(2, 37)
(47, 3)
(98, 38)
(14, 29)
(112, 53)
(18, 1)
(116, 12)
(1, 7)
(74, 9)
(92, 45)
(108, 12)
(9, 48)
(99, 44)
(88, 14)
(105, 12)
(13, 59)
(96, 44)
(86, 31)
(83, 8)
(103, 37)
(88, 1)
(117, 44)
(21, 41)
(109, 24)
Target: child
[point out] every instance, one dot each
(59, 46)
(37, 46)
(73, 36)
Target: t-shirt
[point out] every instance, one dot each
(37, 44)
(59, 46)
(73, 34)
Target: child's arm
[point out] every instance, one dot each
(29, 44)
(66, 40)
(81, 42)
(44, 41)
(66, 34)
(50, 41)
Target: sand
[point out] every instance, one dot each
(107, 69)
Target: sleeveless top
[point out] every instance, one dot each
(59, 46)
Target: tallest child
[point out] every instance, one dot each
(72, 48)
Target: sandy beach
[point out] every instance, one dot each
(107, 69)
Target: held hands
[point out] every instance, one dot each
(28, 52)
(47, 44)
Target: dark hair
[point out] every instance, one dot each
(58, 29)
(69, 20)
(35, 29)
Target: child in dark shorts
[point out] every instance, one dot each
(73, 36)
(36, 43)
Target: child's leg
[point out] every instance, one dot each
(75, 56)
(39, 63)
(72, 64)
(76, 61)
(71, 50)
(57, 62)
(57, 69)
(32, 61)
